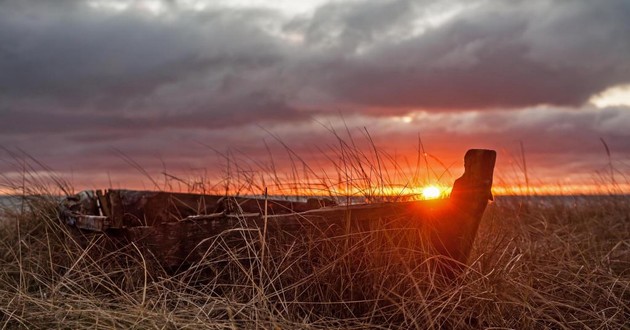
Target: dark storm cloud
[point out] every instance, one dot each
(73, 62)
(347, 26)
(77, 81)
(378, 57)
(211, 115)
(495, 54)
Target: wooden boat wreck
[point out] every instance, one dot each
(176, 227)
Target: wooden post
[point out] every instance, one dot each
(455, 233)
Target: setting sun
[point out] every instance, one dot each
(431, 192)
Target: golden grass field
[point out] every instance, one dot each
(537, 263)
(552, 265)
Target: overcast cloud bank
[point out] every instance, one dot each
(80, 78)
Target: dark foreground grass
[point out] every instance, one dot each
(534, 266)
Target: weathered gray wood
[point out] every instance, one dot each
(92, 222)
(150, 208)
(116, 209)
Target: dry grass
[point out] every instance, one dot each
(533, 266)
(536, 264)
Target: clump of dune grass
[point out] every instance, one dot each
(536, 264)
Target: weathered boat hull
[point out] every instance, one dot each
(177, 228)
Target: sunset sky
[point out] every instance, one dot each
(91, 87)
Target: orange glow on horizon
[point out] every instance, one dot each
(556, 189)
(390, 177)
(431, 191)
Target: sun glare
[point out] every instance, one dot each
(431, 192)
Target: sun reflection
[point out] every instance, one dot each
(431, 192)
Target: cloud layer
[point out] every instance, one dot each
(81, 78)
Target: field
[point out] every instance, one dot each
(537, 263)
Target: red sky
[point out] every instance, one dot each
(95, 89)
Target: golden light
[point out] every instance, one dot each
(431, 192)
